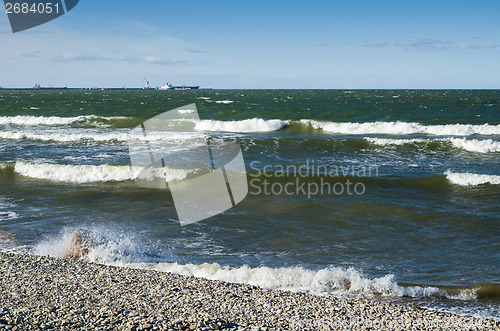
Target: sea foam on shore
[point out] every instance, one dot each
(48, 293)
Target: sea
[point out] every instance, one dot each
(386, 195)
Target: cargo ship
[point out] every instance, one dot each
(169, 86)
(38, 87)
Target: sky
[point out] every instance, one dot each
(260, 44)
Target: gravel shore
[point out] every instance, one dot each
(46, 293)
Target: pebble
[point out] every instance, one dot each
(46, 293)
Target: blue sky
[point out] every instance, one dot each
(260, 44)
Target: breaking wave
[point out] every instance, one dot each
(71, 136)
(119, 249)
(470, 145)
(5, 205)
(7, 215)
(403, 128)
(478, 146)
(330, 281)
(186, 111)
(264, 125)
(83, 120)
(249, 125)
(89, 173)
(469, 179)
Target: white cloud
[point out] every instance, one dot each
(479, 46)
(428, 44)
(421, 44)
(192, 50)
(77, 57)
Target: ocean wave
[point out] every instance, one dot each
(90, 173)
(56, 120)
(186, 111)
(395, 142)
(112, 247)
(7, 215)
(224, 101)
(470, 145)
(41, 120)
(76, 136)
(5, 205)
(329, 281)
(340, 282)
(402, 128)
(470, 179)
(263, 125)
(475, 145)
(122, 250)
(248, 125)
(9, 244)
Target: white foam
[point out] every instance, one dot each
(465, 295)
(327, 281)
(249, 125)
(54, 246)
(115, 248)
(97, 136)
(226, 102)
(403, 128)
(186, 111)
(39, 120)
(395, 142)
(50, 120)
(470, 179)
(7, 215)
(110, 245)
(470, 145)
(475, 145)
(8, 244)
(5, 205)
(90, 173)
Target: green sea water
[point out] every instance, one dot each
(412, 213)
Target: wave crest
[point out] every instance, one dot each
(470, 145)
(470, 179)
(92, 120)
(72, 136)
(403, 128)
(249, 125)
(90, 173)
(118, 249)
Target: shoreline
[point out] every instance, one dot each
(49, 293)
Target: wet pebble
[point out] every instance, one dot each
(45, 293)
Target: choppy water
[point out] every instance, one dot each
(419, 222)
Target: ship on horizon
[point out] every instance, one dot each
(39, 87)
(169, 86)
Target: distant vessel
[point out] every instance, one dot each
(169, 86)
(38, 87)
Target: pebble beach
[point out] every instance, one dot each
(46, 293)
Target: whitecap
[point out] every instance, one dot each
(471, 179)
(249, 125)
